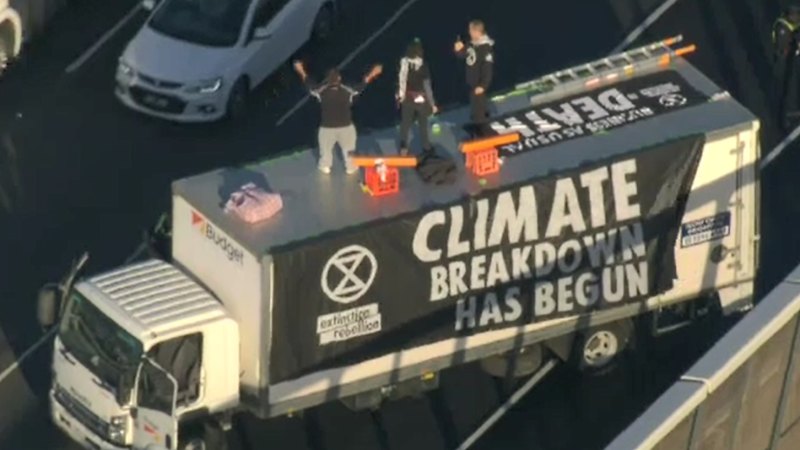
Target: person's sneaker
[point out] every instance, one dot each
(325, 170)
(352, 170)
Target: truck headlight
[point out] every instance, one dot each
(118, 429)
(205, 86)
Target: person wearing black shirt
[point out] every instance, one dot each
(415, 96)
(479, 56)
(336, 125)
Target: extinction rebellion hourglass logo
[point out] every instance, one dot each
(347, 277)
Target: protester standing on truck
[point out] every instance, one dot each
(336, 124)
(415, 96)
(479, 56)
(786, 46)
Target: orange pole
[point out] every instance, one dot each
(685, 50)
(393, 161)
(665, 59)
(491, 142)
(671, 41)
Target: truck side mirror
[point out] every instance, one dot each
(48, 306)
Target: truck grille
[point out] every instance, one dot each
(82, 413)
(156, 101)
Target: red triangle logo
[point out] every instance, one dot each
(196, 218)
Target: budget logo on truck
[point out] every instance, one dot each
(233, 253)
(347, 277)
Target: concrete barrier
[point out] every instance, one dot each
(742, 395)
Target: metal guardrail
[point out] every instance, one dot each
(743, 394)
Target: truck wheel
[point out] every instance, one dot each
(237, 99)
(515, 364)
(597, 349)
(208, 436)
(324, 23)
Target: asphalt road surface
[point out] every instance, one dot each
(79, 172)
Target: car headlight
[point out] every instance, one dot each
(205, 86)
(118, 429)
(124, 68)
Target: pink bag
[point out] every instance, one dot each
(253, 204)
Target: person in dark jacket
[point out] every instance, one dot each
(786, 46)
(336, 125)
(479, 56)
(415, 96)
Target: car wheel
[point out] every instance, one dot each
(237, 100)
(324, 23)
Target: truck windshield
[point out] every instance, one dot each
(101, 345)
(214, 23)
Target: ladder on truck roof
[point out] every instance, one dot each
(610, 68)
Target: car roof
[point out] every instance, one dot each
(316, 204)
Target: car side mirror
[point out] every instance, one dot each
(261, 34)
(49, 305)
(148, 5)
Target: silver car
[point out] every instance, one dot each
(197, 60)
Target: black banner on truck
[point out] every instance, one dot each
(575, 242)
(596, 111)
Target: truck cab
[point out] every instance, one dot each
(137, 351)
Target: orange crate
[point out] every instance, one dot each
(483, 162)
(377, 185)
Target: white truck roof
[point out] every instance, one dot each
(155, 297)
(316, 204)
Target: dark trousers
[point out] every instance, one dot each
(409, 112)
(479, 113)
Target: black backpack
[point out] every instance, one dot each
(437, 170)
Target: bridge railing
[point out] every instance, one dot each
(743, 394)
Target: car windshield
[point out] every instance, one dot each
(214, 23)
(101, 345)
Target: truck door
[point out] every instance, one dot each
(155, 425)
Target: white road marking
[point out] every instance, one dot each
(655, 15)
(651, 19)
(42, 340)
(103, 39)
(505, 407)
(139, 250)
(352, 55)
(779, 148)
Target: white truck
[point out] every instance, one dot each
(631, 199)
(10, 34)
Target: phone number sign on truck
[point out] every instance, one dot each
(579, 241)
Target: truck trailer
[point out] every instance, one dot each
(630, 192)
